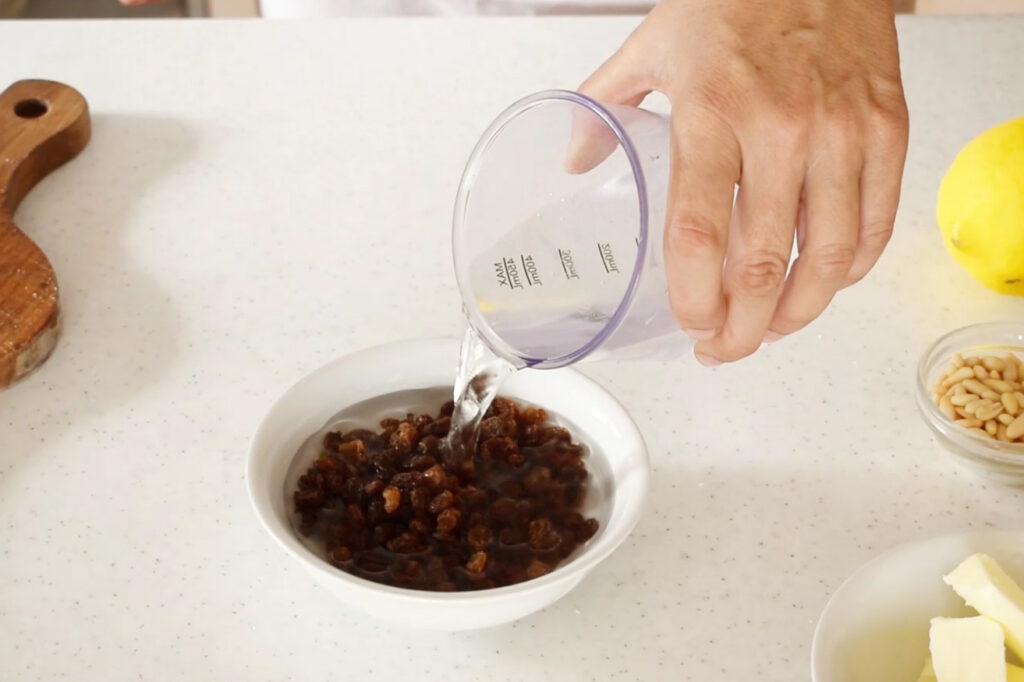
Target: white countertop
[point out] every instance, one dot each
(260, 197)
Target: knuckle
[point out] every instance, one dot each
(832, 261)
(761, 274)
(841, 126)
(876, 232)
(711, 97)
(889, 121)
(695, 313)
(875, 235)
(789, 121)
(690, 233)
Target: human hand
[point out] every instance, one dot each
(800, 103)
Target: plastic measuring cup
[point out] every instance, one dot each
(557, 233)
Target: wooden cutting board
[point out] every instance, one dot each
(42, 126)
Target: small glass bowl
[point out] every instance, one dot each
(991, 458)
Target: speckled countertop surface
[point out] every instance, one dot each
(259, 198)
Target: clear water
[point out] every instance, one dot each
(477, 381)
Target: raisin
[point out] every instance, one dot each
(326, 462)
(511, 536)
(498, 449)
(308, 499)
(505, 408)
(441, 502)
(404, 438)
(448, 521)
(498, 427)
(448, 409)
(419, 498)
(536, 569)
(406, 543)
(503, 510)
(421, 527)
(392, 499)
(353, 452)
(479, 537)
(531, 435)
(477, 562)
(533, 415)
(438, 428)
(406, 479)
(340, 555)
(586, 530)
(334, 481)
(473, 498)
(434, 476)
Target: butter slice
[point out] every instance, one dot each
(967, 650)
(1014, 673)
(985, 587)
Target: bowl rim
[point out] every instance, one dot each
(591, 555)
(987, 450)
(884, 556)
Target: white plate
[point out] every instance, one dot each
(875, 627)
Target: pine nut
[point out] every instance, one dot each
(962, 399)
(963, 413)
(1016, 429)
(971, 361)
(947, 408)
(987, 412)
(959, 390)
(1001, 432)
(991, 362)
(958, 376)
(1012, 372)
(998, 385)
(980, 432)
(1019, 396)
(980, 372)
(978, 388)
(969, 423)
(1009, 402)
(991, 427)
(1005, 419)
(972, 407)
(957, 362)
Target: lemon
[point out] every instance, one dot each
(980, 208)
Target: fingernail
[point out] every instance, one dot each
(771, 337)
(700, 334)
(707, 360)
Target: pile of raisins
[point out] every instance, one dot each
(400, 508)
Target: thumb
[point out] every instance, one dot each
(618, 81)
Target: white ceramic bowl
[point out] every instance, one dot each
(875, 627)
(617, 462)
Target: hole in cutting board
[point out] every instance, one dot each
(30, 108)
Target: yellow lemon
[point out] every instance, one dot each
(980, 208)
